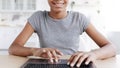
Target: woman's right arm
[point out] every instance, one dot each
(17, 47)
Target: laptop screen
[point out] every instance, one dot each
(44, 63)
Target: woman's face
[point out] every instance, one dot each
(58, 5)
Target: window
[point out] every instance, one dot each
(6, 4)
(31, 4)
(17, 4)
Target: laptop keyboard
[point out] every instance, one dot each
(51, 66)
(43, 63)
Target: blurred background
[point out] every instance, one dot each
(104, 14)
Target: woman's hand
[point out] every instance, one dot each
(50, 53)
(78, 57)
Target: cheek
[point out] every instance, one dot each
(49, 2)
(66, 5)
(66, 2)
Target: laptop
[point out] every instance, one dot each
(45, 63)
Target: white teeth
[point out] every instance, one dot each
(59, 4)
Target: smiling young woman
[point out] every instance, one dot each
(59, 31)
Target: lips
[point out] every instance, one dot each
(58, 5)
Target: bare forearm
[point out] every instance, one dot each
(20, 50)
(105, 52)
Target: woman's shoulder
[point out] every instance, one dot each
(38, 14)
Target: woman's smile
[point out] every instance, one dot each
(59, 4)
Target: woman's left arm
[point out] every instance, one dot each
(106, 50)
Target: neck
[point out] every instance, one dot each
(58, 15)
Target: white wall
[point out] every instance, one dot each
(110, 18)
(42, 5)
(110, 14)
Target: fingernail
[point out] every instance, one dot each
(86, 63)
(68, 63)
(78, 65)
(72, 65)
(56, 60)
(51, 60)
